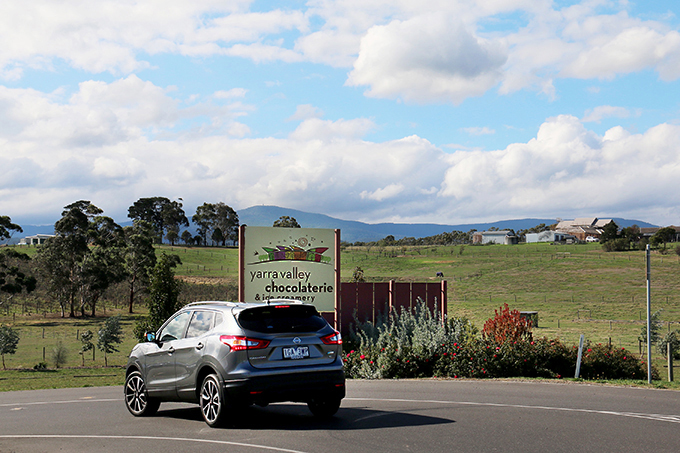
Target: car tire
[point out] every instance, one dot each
(324, 407)
(212, 401)
(137, 398)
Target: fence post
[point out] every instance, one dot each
(578, 359)
(669, 345)
(390, 298)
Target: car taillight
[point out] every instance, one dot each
(334, 338)
(240, 343)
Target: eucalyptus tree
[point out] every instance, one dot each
(163, 299)
(15, 275)
(84, 258)
(663, 236)
(104, 265)
(226, 220)
(140, 257)
(162, 213)
(7, 228)
(216, 221)
(205, 220)
(187, 237)
(286, 222)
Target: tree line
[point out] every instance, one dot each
(90, 252)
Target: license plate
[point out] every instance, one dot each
(299, 352)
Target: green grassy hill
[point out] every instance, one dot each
(574, 288)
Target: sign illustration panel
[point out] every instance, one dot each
(289, 263)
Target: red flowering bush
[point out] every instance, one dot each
(507, 325)
(602, 362)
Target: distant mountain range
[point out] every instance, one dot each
(353, 231)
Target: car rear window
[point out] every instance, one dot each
(281, 318)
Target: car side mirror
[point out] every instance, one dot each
(150, 337)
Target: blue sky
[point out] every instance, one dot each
(375, 110)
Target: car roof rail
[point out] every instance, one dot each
(211, 302)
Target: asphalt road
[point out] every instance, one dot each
(376, 416)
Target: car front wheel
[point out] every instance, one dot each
(137, 398)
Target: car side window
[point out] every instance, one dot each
(201, 322)
(175, 328)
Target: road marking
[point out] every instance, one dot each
(656, 417)
(181, 439)
(38, 403)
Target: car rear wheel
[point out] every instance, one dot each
(137, 398)
(324, 407)
(213, 404)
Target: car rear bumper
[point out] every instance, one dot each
(299, 387)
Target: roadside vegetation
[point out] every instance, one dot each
(575, 289)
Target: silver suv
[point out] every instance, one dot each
(226, 355)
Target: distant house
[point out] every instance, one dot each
(37, 239)
(649, 232)
(548, 236)
(494, 237)
(583, 227)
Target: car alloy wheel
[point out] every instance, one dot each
(136, 398)
(212, 401)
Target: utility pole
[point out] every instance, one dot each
(649, 317)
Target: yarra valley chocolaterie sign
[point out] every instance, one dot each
(288, 263)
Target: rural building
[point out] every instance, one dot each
(494, 237)
(649, 232)
(583, 227)
(37, 239)
(548, 236)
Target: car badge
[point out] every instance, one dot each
(297, 340)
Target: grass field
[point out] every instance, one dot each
(576, 289)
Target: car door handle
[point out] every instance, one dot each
(171, 350)
(199, 346)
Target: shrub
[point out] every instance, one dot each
(616, 245)
(507, 325)
(108, 336)
(416, 343)
(9, 339)
(673, 338)
(59, 354)
(404, 344)
(603, 362)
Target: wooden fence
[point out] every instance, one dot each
(364, 301)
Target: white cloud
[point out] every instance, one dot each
(431, 58)
(304, 112)
(588, 41)
(96, 144)
(423, 52)
(630, 50)
(229, 94)
(383, 193)
(605, 111)
(317, 129)
(479, 130)
(113, 35)
(567, 169)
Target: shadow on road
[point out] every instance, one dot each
(297, 417)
